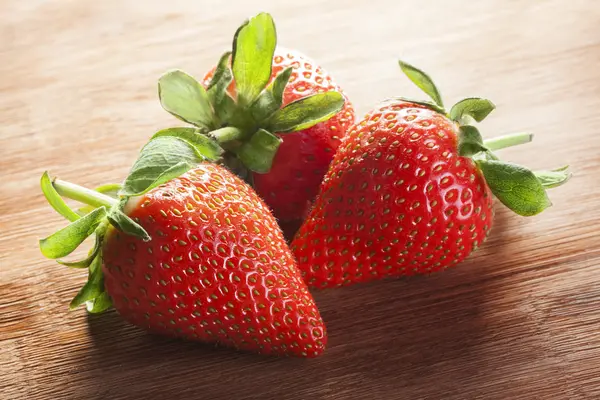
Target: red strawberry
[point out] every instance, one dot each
(278, 116)
(304, 156)
(199, 256)
(410, 191)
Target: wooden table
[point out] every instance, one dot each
(519, 320)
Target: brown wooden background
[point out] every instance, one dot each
(518, 320)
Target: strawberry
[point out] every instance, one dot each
(277, 115)
(304, 156)
(410, 189)
(197, 256)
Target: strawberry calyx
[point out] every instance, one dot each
(517, 187)
(63, 242)
(245, 124)
(167, 155)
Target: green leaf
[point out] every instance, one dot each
(473, 107)
(138, 180)
(515, 186)
(226, 108)
(185, 98)
(65, 241)
(162, 159)
(94, 285)
(253, 48)
(470, 141)
(257, 154)
(484, 155)
(423, 82)
(271, 98)
(553, 178)
(54, 199)
(220, 81)
(122, 222)
(85, 263)
(99, 304)
(306, 112)
(204, 145)
(221, 70)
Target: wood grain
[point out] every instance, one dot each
(519, 320)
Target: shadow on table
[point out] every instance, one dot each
(411, 336)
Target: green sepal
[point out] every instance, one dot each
(162, 159)
(55, 200)
(553, 178)
(484, 155)
(515, 186)
(65, 241)
(122, 222)
(271, 98)
(473, 107)
(94, 286)
(160, 176)
(204, 145)
(100, 304)
(429, 104)
(305, 112)
(226, 109)
(185, 98)
(221, 79)
(252, 56)
(423, 82)
(222, 70)
(470, 141)
(257, 154)
(85, 263)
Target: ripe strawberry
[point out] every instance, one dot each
(254, 98)
(303, 158)
(199, 256)
(410, 191)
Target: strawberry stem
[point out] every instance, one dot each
(509, 140)
(226, 134)
(82, 194)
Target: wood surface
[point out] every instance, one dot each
(519, 320)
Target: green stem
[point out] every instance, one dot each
(83, 195)
(509, 140)
(227, 134)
